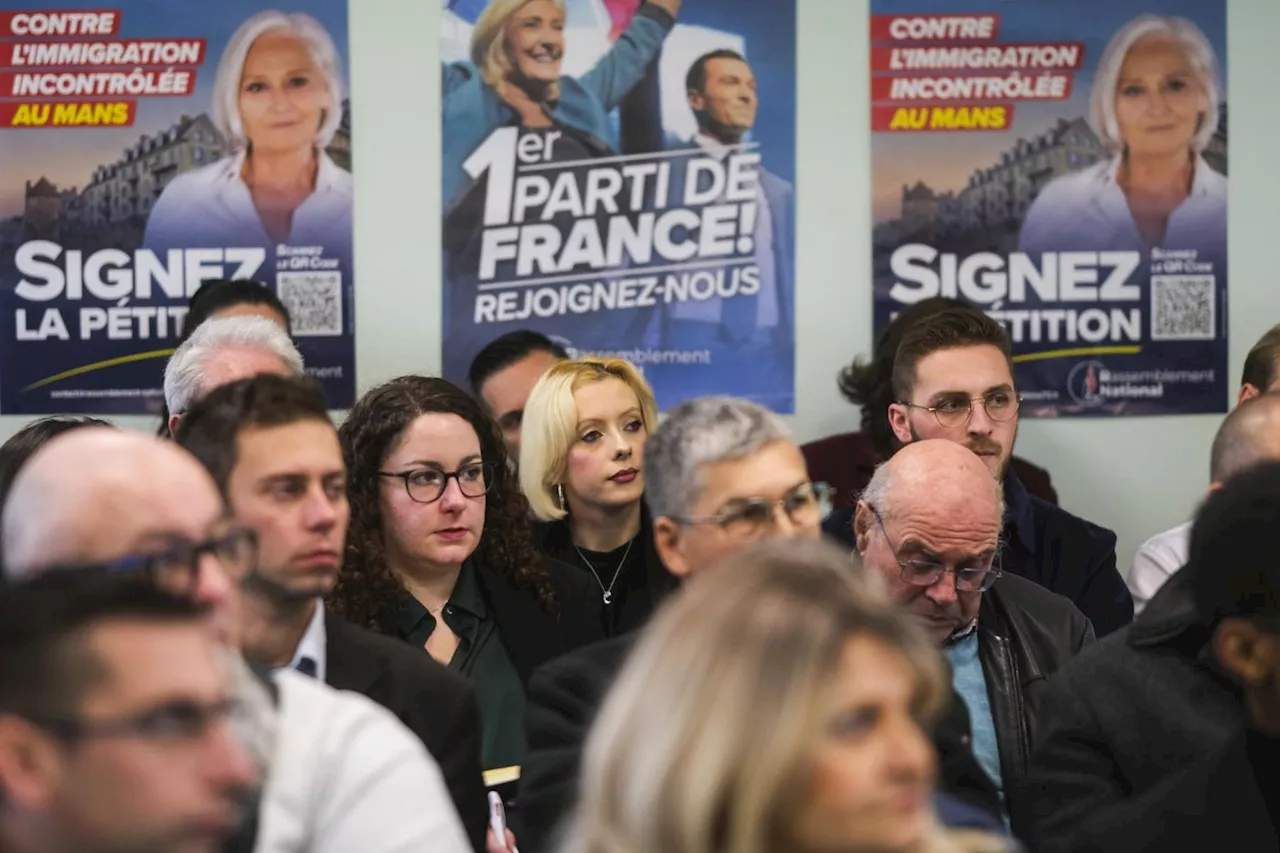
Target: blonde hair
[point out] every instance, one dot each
(550, 424)
(488, 43)
(704, 743)
(1188, 37)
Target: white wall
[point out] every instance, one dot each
(1136, 475)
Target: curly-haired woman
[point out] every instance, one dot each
(439, 551)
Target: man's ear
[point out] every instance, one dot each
(174, 420)
(1247, 392)
(697, 102)
(898, 422)
(863, 518)
(29, 764)
(666, 538)
(1238, 645)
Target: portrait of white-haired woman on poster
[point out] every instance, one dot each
(513, 78)
(1155, 107)
(277, 101)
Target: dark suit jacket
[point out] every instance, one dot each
(438, 705)
(565, 695)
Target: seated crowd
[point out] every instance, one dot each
(531, 615)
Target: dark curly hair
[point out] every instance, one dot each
(869, 384)
(367, 593)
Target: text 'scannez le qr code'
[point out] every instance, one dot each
(314, 300)
(1183, 308)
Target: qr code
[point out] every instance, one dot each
(314, 300)
(1183, 308)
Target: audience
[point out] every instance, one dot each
(953, 379)
(1164, 704)
(274, 454)
(504, 372)
(114, 721)
(776, 704)
(929, 525)
(440, 551)
(848, 460)
(224, 350)
(146, 506)
(722, 473)
(1247, 436)
(582, 470)
(228, 298)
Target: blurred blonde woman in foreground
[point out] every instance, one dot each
(777, 705)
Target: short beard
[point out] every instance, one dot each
(278, 595)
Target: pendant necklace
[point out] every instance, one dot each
(608, 592)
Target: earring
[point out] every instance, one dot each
(560, 496)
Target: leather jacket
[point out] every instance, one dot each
(1025, 634)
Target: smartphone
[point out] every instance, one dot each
(498, 817)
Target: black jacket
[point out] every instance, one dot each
(1025, 635)
(437, 705)
(565, 695)
(533, 633)
(1049, 546)
(1116, 723)
(637, 592)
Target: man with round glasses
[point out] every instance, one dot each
(953, 379)
(929, 524)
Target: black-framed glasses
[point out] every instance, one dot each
(180, 720)
(177, 569)
(805, 506)
(955, 411)
(427, 485)
(928, 572)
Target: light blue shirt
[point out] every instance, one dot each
(971, 683)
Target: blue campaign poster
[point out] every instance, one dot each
(151, 146)
(619, 174)
(1064, 166)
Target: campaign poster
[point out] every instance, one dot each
(150, 146)
(1063, 166)
(619, 175)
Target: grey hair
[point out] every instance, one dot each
(226, 84)
(184, 373)
(876, 493)
(700, 432)
(1102, 100)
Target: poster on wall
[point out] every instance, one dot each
(619, 175)
(1063, 166)
(148, 147)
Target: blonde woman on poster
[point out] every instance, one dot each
(277, 100)
(1154, 105)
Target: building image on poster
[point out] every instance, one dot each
(619, 175)
(151, 147)
(1063, 166)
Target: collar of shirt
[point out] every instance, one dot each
(327, 172)
(1019, 521)
(712, 146)
(314, 643)
(463, 613)
(1199, 180)
(962, 634)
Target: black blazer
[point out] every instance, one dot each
(637, 594)
(438, 705)
(565, 696)
(533, 634)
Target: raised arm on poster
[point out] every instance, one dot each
(517, 48)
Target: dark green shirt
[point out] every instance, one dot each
(482, 657)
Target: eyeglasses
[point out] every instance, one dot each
(177, 570)
(953, 412)
(181, 720)
(749, 518)
(929, 572)
(427, 485)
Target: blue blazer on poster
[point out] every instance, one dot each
(472, 110)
